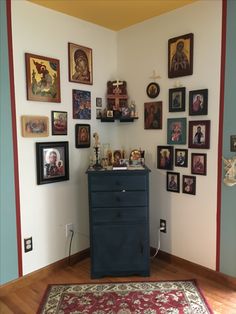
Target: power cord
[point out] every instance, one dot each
(72, 235)
(159, 242)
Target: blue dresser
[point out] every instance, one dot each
(119, 222)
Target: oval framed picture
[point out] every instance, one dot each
(153, 90)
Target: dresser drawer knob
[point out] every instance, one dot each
(123, 191)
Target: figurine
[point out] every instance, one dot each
(96, 146)
(230, 171)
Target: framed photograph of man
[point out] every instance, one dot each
(177, 99)
(153, 115)
(59, 123)
(181, 157)
(180, 56)
(199, 164)
(80, 64)
(198, 102)
(189, 185)
(199, 134)
(176, 131)
(82, 135)
(172, 181)
(52, 159)
(165, 157)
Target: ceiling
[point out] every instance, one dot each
(113, 14)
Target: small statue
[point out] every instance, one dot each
(230, 171)
(96, 146)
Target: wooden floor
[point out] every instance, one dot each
(27, 299)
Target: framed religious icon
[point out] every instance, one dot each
(59, 123)
(180, 56)
(153, 90)
(52, 159)
(199, 134)
(177, 99)
(189, 185)
(153, 115)
(34, 126)
(81, 104)
(98, 102)
(176, 131)
(199, 164)
(172, 182)
(233, 143)
(198, 102)
(80, 64)
(181, 157)
(165, 157)
(82, 135)
(42, 78)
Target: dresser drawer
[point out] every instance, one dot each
(118, 199)
(118, 183)
(119, 215)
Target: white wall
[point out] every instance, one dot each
(45, 209)
(191, 220)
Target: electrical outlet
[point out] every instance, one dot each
(28, 244)
(163, 225)
(69, 227)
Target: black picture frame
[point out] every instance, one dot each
(153, 90)
(180, 56)
(165, 157)
(52, 160)
(82, 135)
(199, 134)
(233, 143)
(177, 99)
(189, 184)
(199, 164)
(181, 157)
(198, 102)
(172, 181)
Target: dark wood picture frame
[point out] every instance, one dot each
(189, 185)
(180, 56)
(181, 157)
(176, 131)
(177, 99)
(153, 90)
(199, 163)
(198, 102)
(52, 159)
(165, 157)
(59, 122)
(42, 78)
(82, 135)
(233, 143)
(199, 134)
(153, 115)
(80, 61)
(173, 182)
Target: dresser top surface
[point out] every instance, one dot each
(130, 170)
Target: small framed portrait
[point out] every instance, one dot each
(199, 134)
(198, 102)
(81, 104)
(180, 56)
(233, 143)
(153, 90)
(165, 157)
(80, 64)
(34, 126)
(189, 185)
(82, 135)
(172, 181)
(59, 123)
(176, 131)
(181, 157)
(42, 78)
(98, 102)
(98, 113)
(199, 164)
(117, 157)
(153, 115)
(177, 99)
(109, 113)
(52, 160)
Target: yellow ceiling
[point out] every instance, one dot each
(113, 14)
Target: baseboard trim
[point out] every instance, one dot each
(42, 272)
(197, 269)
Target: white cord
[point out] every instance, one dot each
(159, 242)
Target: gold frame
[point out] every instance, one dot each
(34, 126)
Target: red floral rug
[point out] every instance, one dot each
(175, 297)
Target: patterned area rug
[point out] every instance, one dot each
(175, 297)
